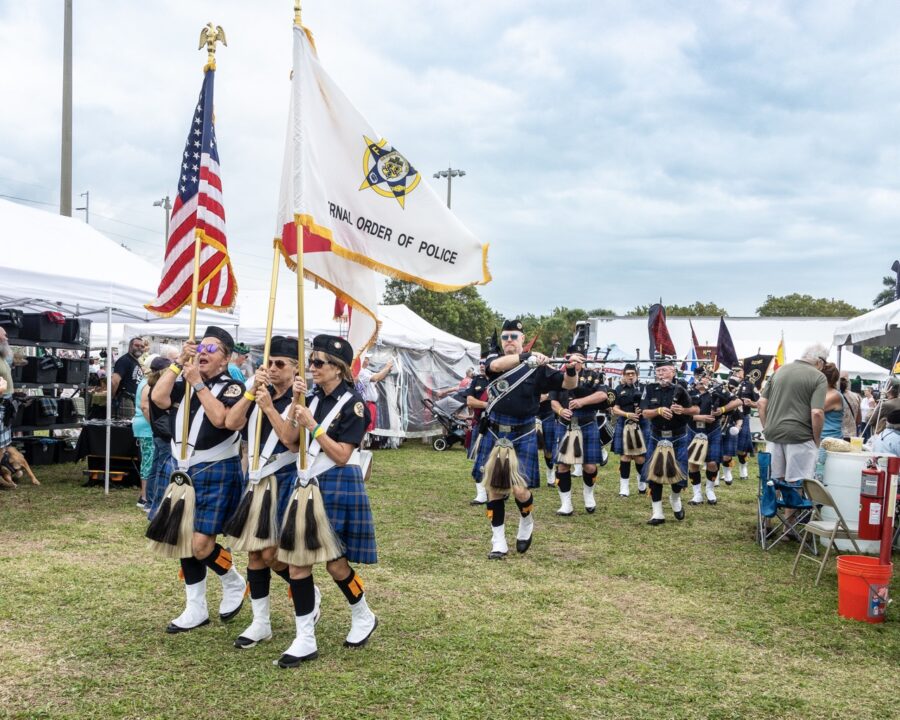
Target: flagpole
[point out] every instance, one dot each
(301, 339)
(210, 37)
(192, 331)
(270, 320)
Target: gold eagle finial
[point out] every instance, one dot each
(209, 36)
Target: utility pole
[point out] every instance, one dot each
(449, 173)
(87, 206)
(167, 206)
(65, 175)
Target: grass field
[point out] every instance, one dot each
(603, 617)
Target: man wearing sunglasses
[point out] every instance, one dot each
(271, 394)
(507, 456)
(213, 464)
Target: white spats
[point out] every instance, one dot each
(710, 492)
(233, 588)
(304, 647)
(362, 624)
(727, 477)
(698, 494)
(642, 486)
(480, 494)
(551, 477)
(590, 503)
(576, 470)
(526, 527)
(565, 506)
(623, 487)
(744, 473)
(195, 612)
(657, 510)
(675, 501)
(498, 540)
(260, 629)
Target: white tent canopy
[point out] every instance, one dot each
(751, 335)
(880, 326)
(55, 262)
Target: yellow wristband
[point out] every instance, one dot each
(175, 369)
(318, 431)
(249, 396)
(723, 409)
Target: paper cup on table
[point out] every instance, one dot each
(856, 444)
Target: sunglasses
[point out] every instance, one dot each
(510, 336)
(280, 364)
(319, 364)
(209, 348)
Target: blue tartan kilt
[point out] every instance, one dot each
(732, 445)
(681, 454)
(745, 439)
(617, 443)
(548, 425)
(525, 446)
(218, 487)
(347, 506)
(590, 436)
(285, 478)
(714, 435)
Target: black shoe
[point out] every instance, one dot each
(497, 555)
(562, 514)
(289, 661)
(679, 514)
(523, 545)
(695, 502)
(712, 502)
(656, 521)
(642, 492)
(591, 510)
(229, 615)
(477, 502)
(348, 644)
(173, 629)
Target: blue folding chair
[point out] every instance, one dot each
(781, 506)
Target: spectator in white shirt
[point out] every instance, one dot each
(365, 385)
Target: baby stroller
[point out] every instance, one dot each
(454, 427)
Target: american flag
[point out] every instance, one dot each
(197, 212)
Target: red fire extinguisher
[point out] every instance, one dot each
(890, 500)
(871, 503)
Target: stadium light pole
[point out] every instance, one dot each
(167, 206)
(449, 173)
(65, 171)
(87, 206)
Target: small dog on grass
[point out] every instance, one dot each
(14, 465)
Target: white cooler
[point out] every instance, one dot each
(842, 478)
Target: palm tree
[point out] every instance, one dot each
(887, 294)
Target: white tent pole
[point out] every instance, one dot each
(839, 348)
(108, 397)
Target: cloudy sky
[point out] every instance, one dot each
(615, 152)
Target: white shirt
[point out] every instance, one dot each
(369, 393)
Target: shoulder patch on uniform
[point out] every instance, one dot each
(232, 391)
(359, 409)
(611, 397)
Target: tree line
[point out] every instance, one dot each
(466, 314)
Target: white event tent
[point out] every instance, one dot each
(880, 326)
(52, 262)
